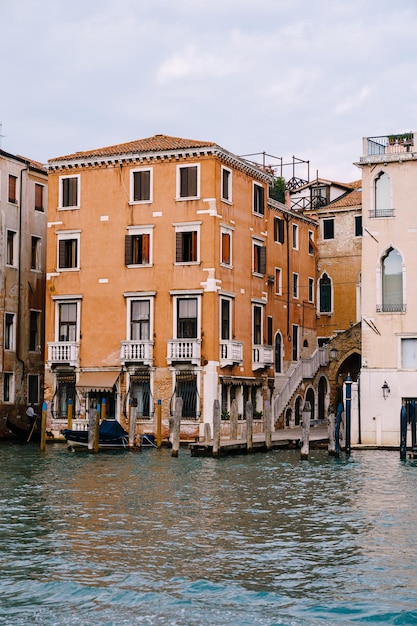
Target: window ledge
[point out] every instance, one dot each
(187, 198)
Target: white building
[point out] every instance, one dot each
(388, 377)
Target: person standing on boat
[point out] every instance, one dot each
(31, 414)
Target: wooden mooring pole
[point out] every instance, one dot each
(234, 416)
(99, 410)
(70, 409)
(43, 427)
(249, 426)
(91, 428)
(268, 425)
(216, 429)
(305, 433)
(132, 421)
(176, 427)
(159, 424)
(403, 428)
(330, 431)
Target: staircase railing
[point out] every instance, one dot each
(305, 368)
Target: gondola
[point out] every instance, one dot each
(23, 432)
(111, 435)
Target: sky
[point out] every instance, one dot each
(295, 78)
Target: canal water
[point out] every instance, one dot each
(129, 538)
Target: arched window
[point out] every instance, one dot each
(278, 353)
(325, 294)
(382, 195)
(392, 282)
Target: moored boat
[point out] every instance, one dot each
(24, 432)
(111, 435)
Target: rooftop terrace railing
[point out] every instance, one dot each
(388, 144)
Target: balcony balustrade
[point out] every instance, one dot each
(231, 353)
(137, 352)
(262, 356)
(64, 352)
(184, 351)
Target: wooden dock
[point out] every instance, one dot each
(286, 438)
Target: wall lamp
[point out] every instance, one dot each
(333, 353)
(385, 390)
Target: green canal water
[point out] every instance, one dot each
(143, 538)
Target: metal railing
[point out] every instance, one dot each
(389, 144)
(398, 307)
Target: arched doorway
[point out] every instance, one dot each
(311, 398)
(322, 395)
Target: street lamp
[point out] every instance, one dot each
(333, 353)
(385, 390)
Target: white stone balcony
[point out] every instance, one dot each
(64, 353)
(231, 353)
(262, 356)
(137, 352)
(184, 351)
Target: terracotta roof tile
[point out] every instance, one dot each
(352, 198)
(157, 143)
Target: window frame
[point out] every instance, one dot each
(279, 230)
(325, 224)
(176, 317)
(179, 197)
(181, 229)
(11, 247)
(12, 189)
(311, 289)
(9, 331)
(35, 254)
(226, 231)
(295, 236)
(60, 301)
(40, 189)
(257, 325)
(34, 330)
(358, 221)
(10, 386)
(33, 399)
(133, 233)
(278, 281)
(228, 197)
(295, 285)
(258, 257)
(258, 199)
(129, 327)
(320, 287)
(74, 236)
(61, 194)
(226, 330)
(141, 170)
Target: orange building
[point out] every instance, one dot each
(170, 273)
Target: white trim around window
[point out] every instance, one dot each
(61, 300)
(193, 185)
(226, 185)
(146, 191)
(66, 201)
(68, 261)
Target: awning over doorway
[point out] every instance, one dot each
(97, 381)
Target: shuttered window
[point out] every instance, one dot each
(259, 259)
(258, 199)
(142, 186)
(137, 249)
(69, 191)
(12, 189)
(186, 246)
(68, 254)
(188, 181)
(278, 230)
(39, 197)
(226, 249)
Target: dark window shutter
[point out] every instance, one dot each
(178, 248)
(262, 260)
(62, 257)
(128, 250)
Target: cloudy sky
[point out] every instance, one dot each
(304, 78)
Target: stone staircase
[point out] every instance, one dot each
(287, 385)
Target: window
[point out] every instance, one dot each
(39, 201)
(140, 320)
(295, 348)
(8, 387)
(409, 353)
(319, 196)
(278, 230)
(311, 243)
(259, 258)
(33, 389)
(186, 388)
(225, 323)
(311, 289)
(141, 185)
(187, 243)
(382, 196)
(226, 184)
(325, 294)
(257, 325)
(137, 249)
(68, 251)
(188, 183)
(12, 189)
(140, 390)
(295, 236)
(35, 253)
(295, 285)
(328, 228)
(67, 321)
(278, 281)
(269, 330)
(392, 283)
(65, 391)
(34, 330)
(11, 252)
(187, 318)
(69, 192)
(278, 353)
(9, 331)
(258, 199)
(226, 246)
(358, 225)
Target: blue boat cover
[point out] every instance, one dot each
(112, 428)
